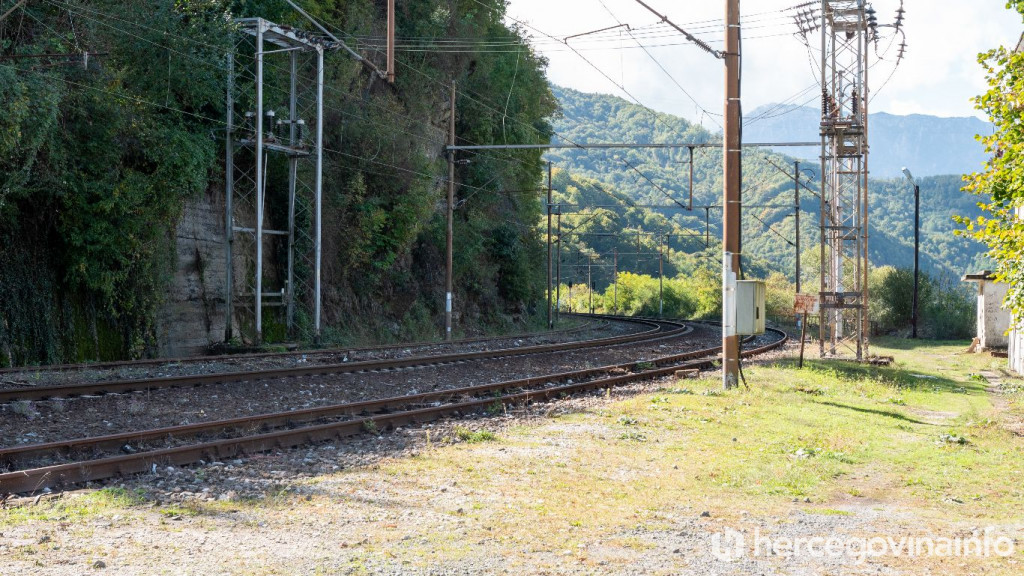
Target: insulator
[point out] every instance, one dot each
(300, 132)
(268, 124)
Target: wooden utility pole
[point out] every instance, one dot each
(451, 227)
(731, 201)
(391, 42)
(551, 323)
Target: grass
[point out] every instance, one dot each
(922, 439)
(844, 436)
(76, 508)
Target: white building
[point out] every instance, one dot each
(993, 319)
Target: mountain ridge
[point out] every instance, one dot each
(928, 145)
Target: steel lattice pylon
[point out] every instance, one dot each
(845, 36)
(273, 221)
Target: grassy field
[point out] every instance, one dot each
(637, 483)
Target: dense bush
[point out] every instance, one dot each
(946, 309)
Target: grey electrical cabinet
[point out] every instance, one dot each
(750, 307)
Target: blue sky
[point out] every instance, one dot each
(938, 75)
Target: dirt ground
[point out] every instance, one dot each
(576, 486)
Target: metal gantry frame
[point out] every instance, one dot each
(254, 239)
(845, 38)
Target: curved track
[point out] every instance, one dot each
(656, 329)
(56, 464)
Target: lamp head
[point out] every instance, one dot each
(909, 176)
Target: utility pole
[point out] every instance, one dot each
(731, 201)
(391, 43)
(707, 226)
(917, 251)
(661, 281)
(917, 246)
(615, 280)
(558, 266)
(590, 282)
(690, 206)
(550, 322)
(796, 214)
(451, 216)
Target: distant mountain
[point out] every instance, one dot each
(927, 145)
(635, 181)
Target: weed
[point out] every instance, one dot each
(467, 435)
(496, 408)
(952, 439)
(643, 366)
(25, 408)
(627, 421)
(370, 427)
(58, 405)
(136, 407)
(633, 436)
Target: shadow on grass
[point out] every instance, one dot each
(886, 413)
(914, 344)
(888, 375)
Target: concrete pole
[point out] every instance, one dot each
(391, 42)
(319, 189)
(615, 280)
(451, 216)
(558, 266)
(229, 194)
(590, 284)
(551, 323)
(661, 282)
(293, 167)
(260, 185)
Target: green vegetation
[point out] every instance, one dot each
(946, 310)
(1001, 184)
(98, 157)
(768, 196)
(474, 437)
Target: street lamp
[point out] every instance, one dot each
(917, 243)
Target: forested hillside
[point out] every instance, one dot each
(101, 152)
(661, 177)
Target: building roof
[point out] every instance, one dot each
(984, 275)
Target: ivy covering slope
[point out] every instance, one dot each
(98, 156)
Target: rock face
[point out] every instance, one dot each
(192, 317)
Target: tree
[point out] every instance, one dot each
(1001, 184)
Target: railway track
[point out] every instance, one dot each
(57, 464)
(310, 354)
(659, 329)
